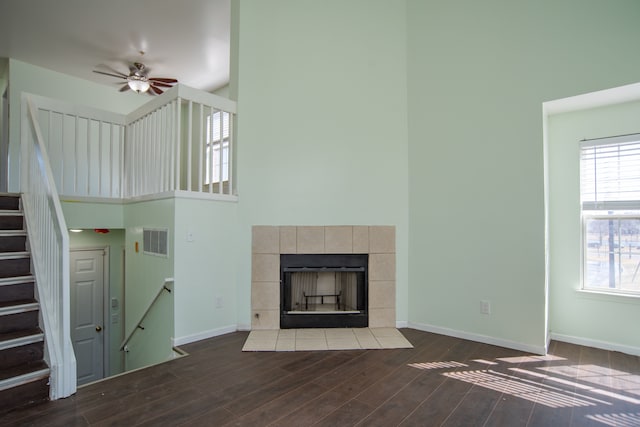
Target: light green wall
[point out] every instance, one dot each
(478, 73)
(29, 78)
(322, 132)
(115, 241)
(206, 268)
(93, 215)
(145, 275)
(605, 320)
(153, 345)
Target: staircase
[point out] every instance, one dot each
(24, 376)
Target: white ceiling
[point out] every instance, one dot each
(183, 39)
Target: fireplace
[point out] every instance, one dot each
(323, 290)
(374, 244)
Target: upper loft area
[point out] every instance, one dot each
(180, 142)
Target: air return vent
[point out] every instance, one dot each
(155, 241)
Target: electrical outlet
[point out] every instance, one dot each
(189, 236)
(485, 307)
(115, 318)
(219, 302)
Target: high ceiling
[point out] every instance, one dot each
(187, 39)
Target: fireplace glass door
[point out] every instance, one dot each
(323, 291)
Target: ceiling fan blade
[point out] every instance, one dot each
(125, 88)
(110, 74)
(111, 70)
(160, 84)
(157, 90)
(162, 80)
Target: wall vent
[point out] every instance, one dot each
(155, 241)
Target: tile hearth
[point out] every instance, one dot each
(311, 339)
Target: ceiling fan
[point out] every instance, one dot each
(139, 81)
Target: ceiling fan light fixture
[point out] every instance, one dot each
(138, 84)
(139, 81)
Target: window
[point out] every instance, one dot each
(610, 198)
(217, 169)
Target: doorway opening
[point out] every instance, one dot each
(97, 309)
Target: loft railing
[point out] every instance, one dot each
(138, 326)
(85, 146)
(179, 142)
(49, 245)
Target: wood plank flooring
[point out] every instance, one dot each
(443, 381)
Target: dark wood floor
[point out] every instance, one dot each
(442, 381)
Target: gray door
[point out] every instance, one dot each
(87, 293)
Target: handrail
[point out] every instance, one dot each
(138, 325)
(49, 243)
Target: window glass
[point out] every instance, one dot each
(610, 201)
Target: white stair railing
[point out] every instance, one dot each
(49, 245)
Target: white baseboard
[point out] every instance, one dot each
(479, 338)
(402, 324)
(204, 335)
(604, 345)
(244, 326)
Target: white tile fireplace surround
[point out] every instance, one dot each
(269, 242)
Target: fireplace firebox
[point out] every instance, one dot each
(323, 290)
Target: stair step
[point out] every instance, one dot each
(9, 201)
(11, 293)
(13, 241)
(24, 376)
(18, 315)
(23, 386)
(13, 233)
(15, 255)
(11, 212)
(28, 372)
(23, 396)
(14, 264)
(22, 347)
(18, 375)
(15, 280)
(18, 338)
(21, 306)
(11, 220)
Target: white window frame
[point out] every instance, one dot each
(601, 201)
(215, 137)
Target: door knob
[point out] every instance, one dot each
(98, 328)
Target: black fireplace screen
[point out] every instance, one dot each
(324, 290)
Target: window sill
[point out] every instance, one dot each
(610, 296)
